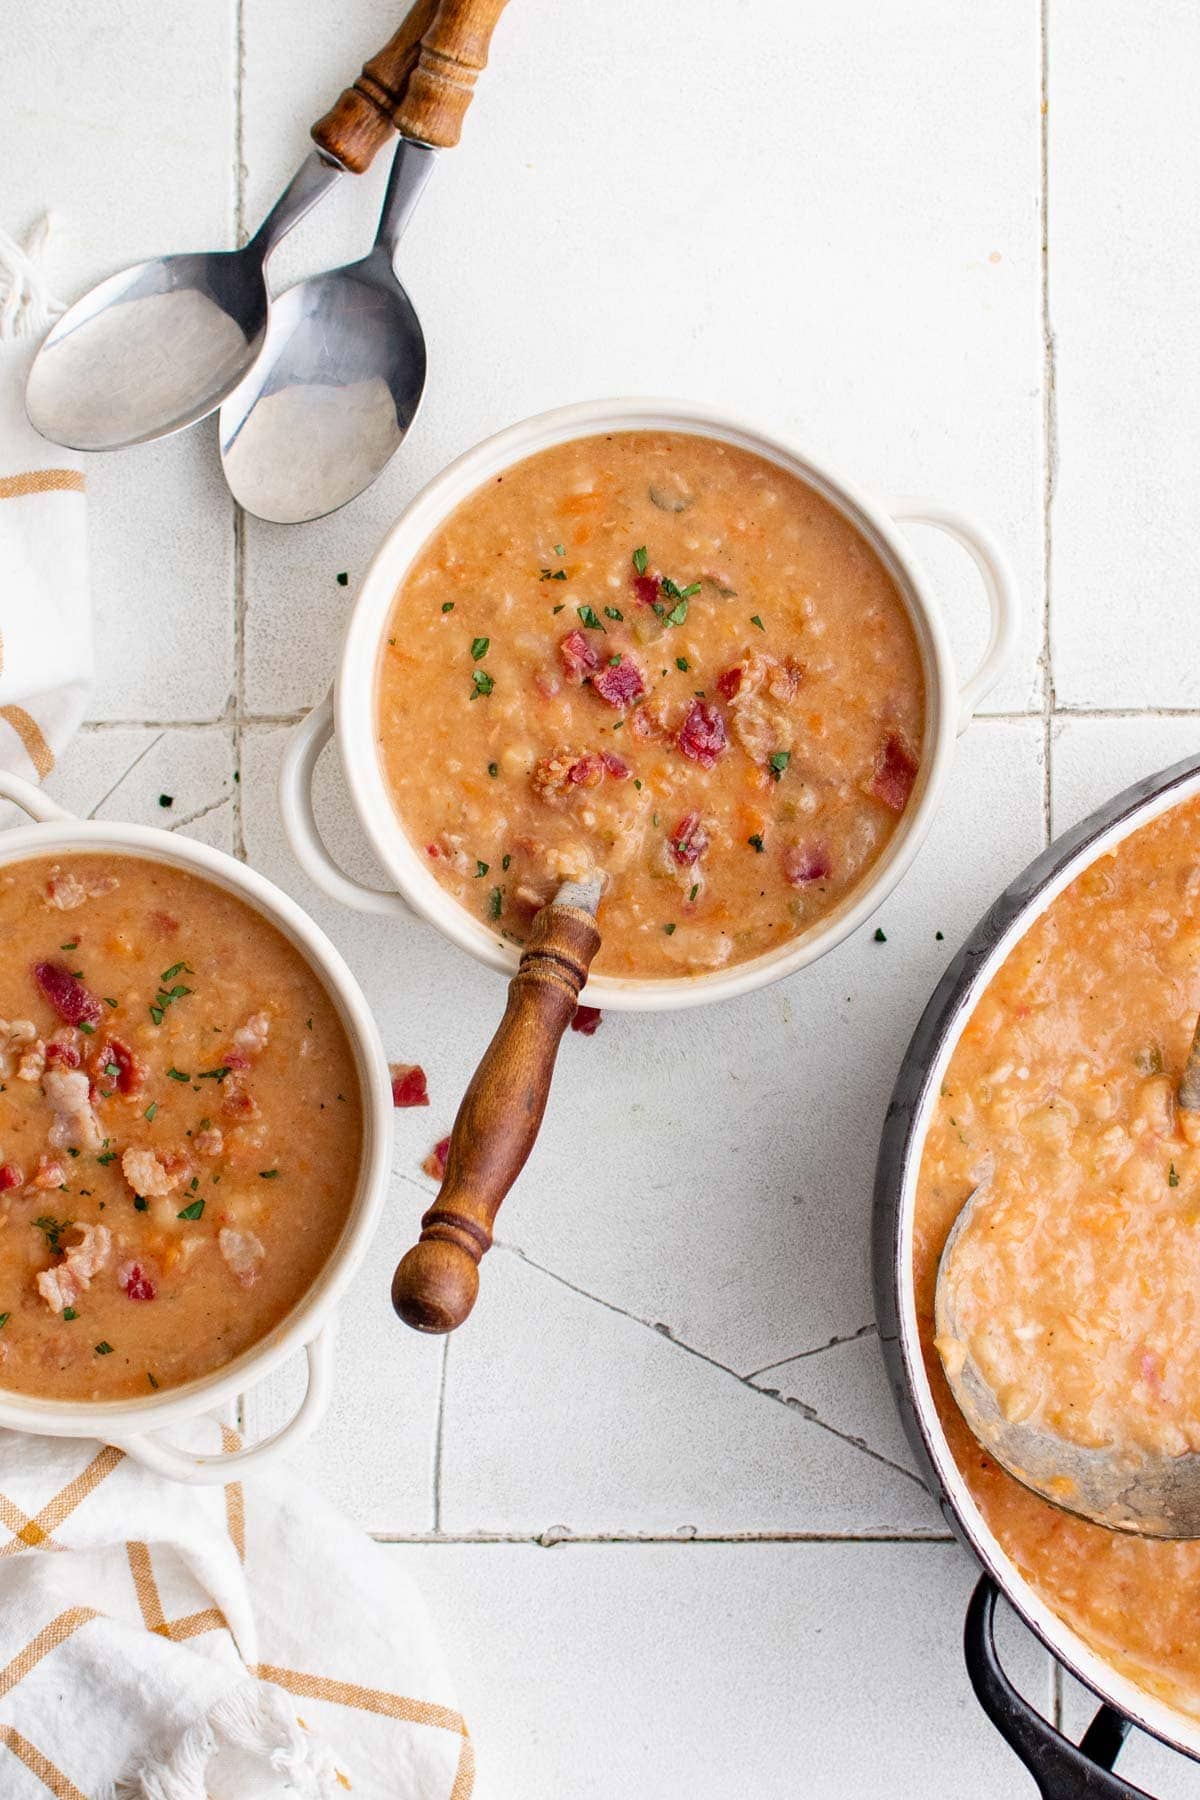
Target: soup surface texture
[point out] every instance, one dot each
(180, 1127)
(1062, 1088)
(666, 658)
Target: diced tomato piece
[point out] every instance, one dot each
(409, 1087)
(619, 770)
(68, 996)
(235, 1059)
(803, 863)
(115, 1054)
(587, 771)
(729, 681)
(702, 734)
(586, 1019)
(646, 588)
(689, 840)
(435, 1162)
(894, 773)
(620, 684)
(137, 1284)
(11, 1177)
(577, 656)
(62, 1056)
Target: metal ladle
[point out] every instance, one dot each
(1138, 1491)
(341, 371)
(158, 346)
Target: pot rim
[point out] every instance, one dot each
(111, 1419)
(356, 685)
(925, 1060)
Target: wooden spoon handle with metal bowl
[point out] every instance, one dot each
(434, 1287)
(420, 83)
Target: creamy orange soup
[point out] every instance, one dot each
(1062, 1090)
(180, 1127)
(665, 658)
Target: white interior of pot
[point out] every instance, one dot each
(1175, 1727)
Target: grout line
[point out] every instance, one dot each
(561, 1539)
(1049, 438)
(126, 773)
(439, 1439)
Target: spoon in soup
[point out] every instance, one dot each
(1134, 1490)
(158, 346)
(337, 383)
(435, 1285)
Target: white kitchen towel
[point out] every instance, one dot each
(45, 605)
(180, 1643)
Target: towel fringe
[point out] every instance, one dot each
(255, 1719)
(27, 307)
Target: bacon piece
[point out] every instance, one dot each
(588, 771)
(67, 995)
(689, 840)
(243, 1254)
(894, 773)
(586, 1020)
(251, 1038)
(577, 656)
(238, 1103)
(646, 588)
(617, 768)
(49, 1173)
(135, 1282)
(33, 1062)
(210, 1141)
(730, 680)
(153, 1174)
(60, 1055)
(75, 1125)
(702, 737)
(619, 684)
(62, 1285)
(803, 863)
(114, 1053)
(409, 1086)
(435, 1162)
(68, 891)
(11, 1176)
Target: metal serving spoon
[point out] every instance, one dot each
(158, 346)
(435, 1285)
(341, 371)
(1135, 1491)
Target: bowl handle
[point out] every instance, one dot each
(999, 586)
(299, 821)
(31, 799)
(1061, 1769)
(152, 1452)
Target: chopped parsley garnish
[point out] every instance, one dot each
(677, 614)
(51, 1229)
(175, 969)
(140, 1204)
(113, 1069)
(505, 862)
(614, 662)
(757, 842)
(483, 683)
(559, 608)
(493, 769)
(495, 903)
(4, 1318)
(880, 935)
(694, 892)
(343, 579)
(559, 551)
(481, 868)
(213, 1074)
(670, 930)
(177, 1075)
(167, 996)
(73, 945)
(614, 612)
(104, 1348)
(1172, 1178)
(779, 762)
(681, 662)
(588, 616)
(639, 559)
(637, 783)
(150, 1111)
(673, 592)
(755, 620)
(109, 1156)
(553, 575)
(479, 648)
(151, 1380)
(194, 1211)
(87, 1030)
(268, 1174)
(447, 606)
(72, 1151)
(69, 1313)
(109, 1002)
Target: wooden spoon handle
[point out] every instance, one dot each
(453, 51)
(360, 123)
(435, 1286)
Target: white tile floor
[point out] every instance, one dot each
(954, 248)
